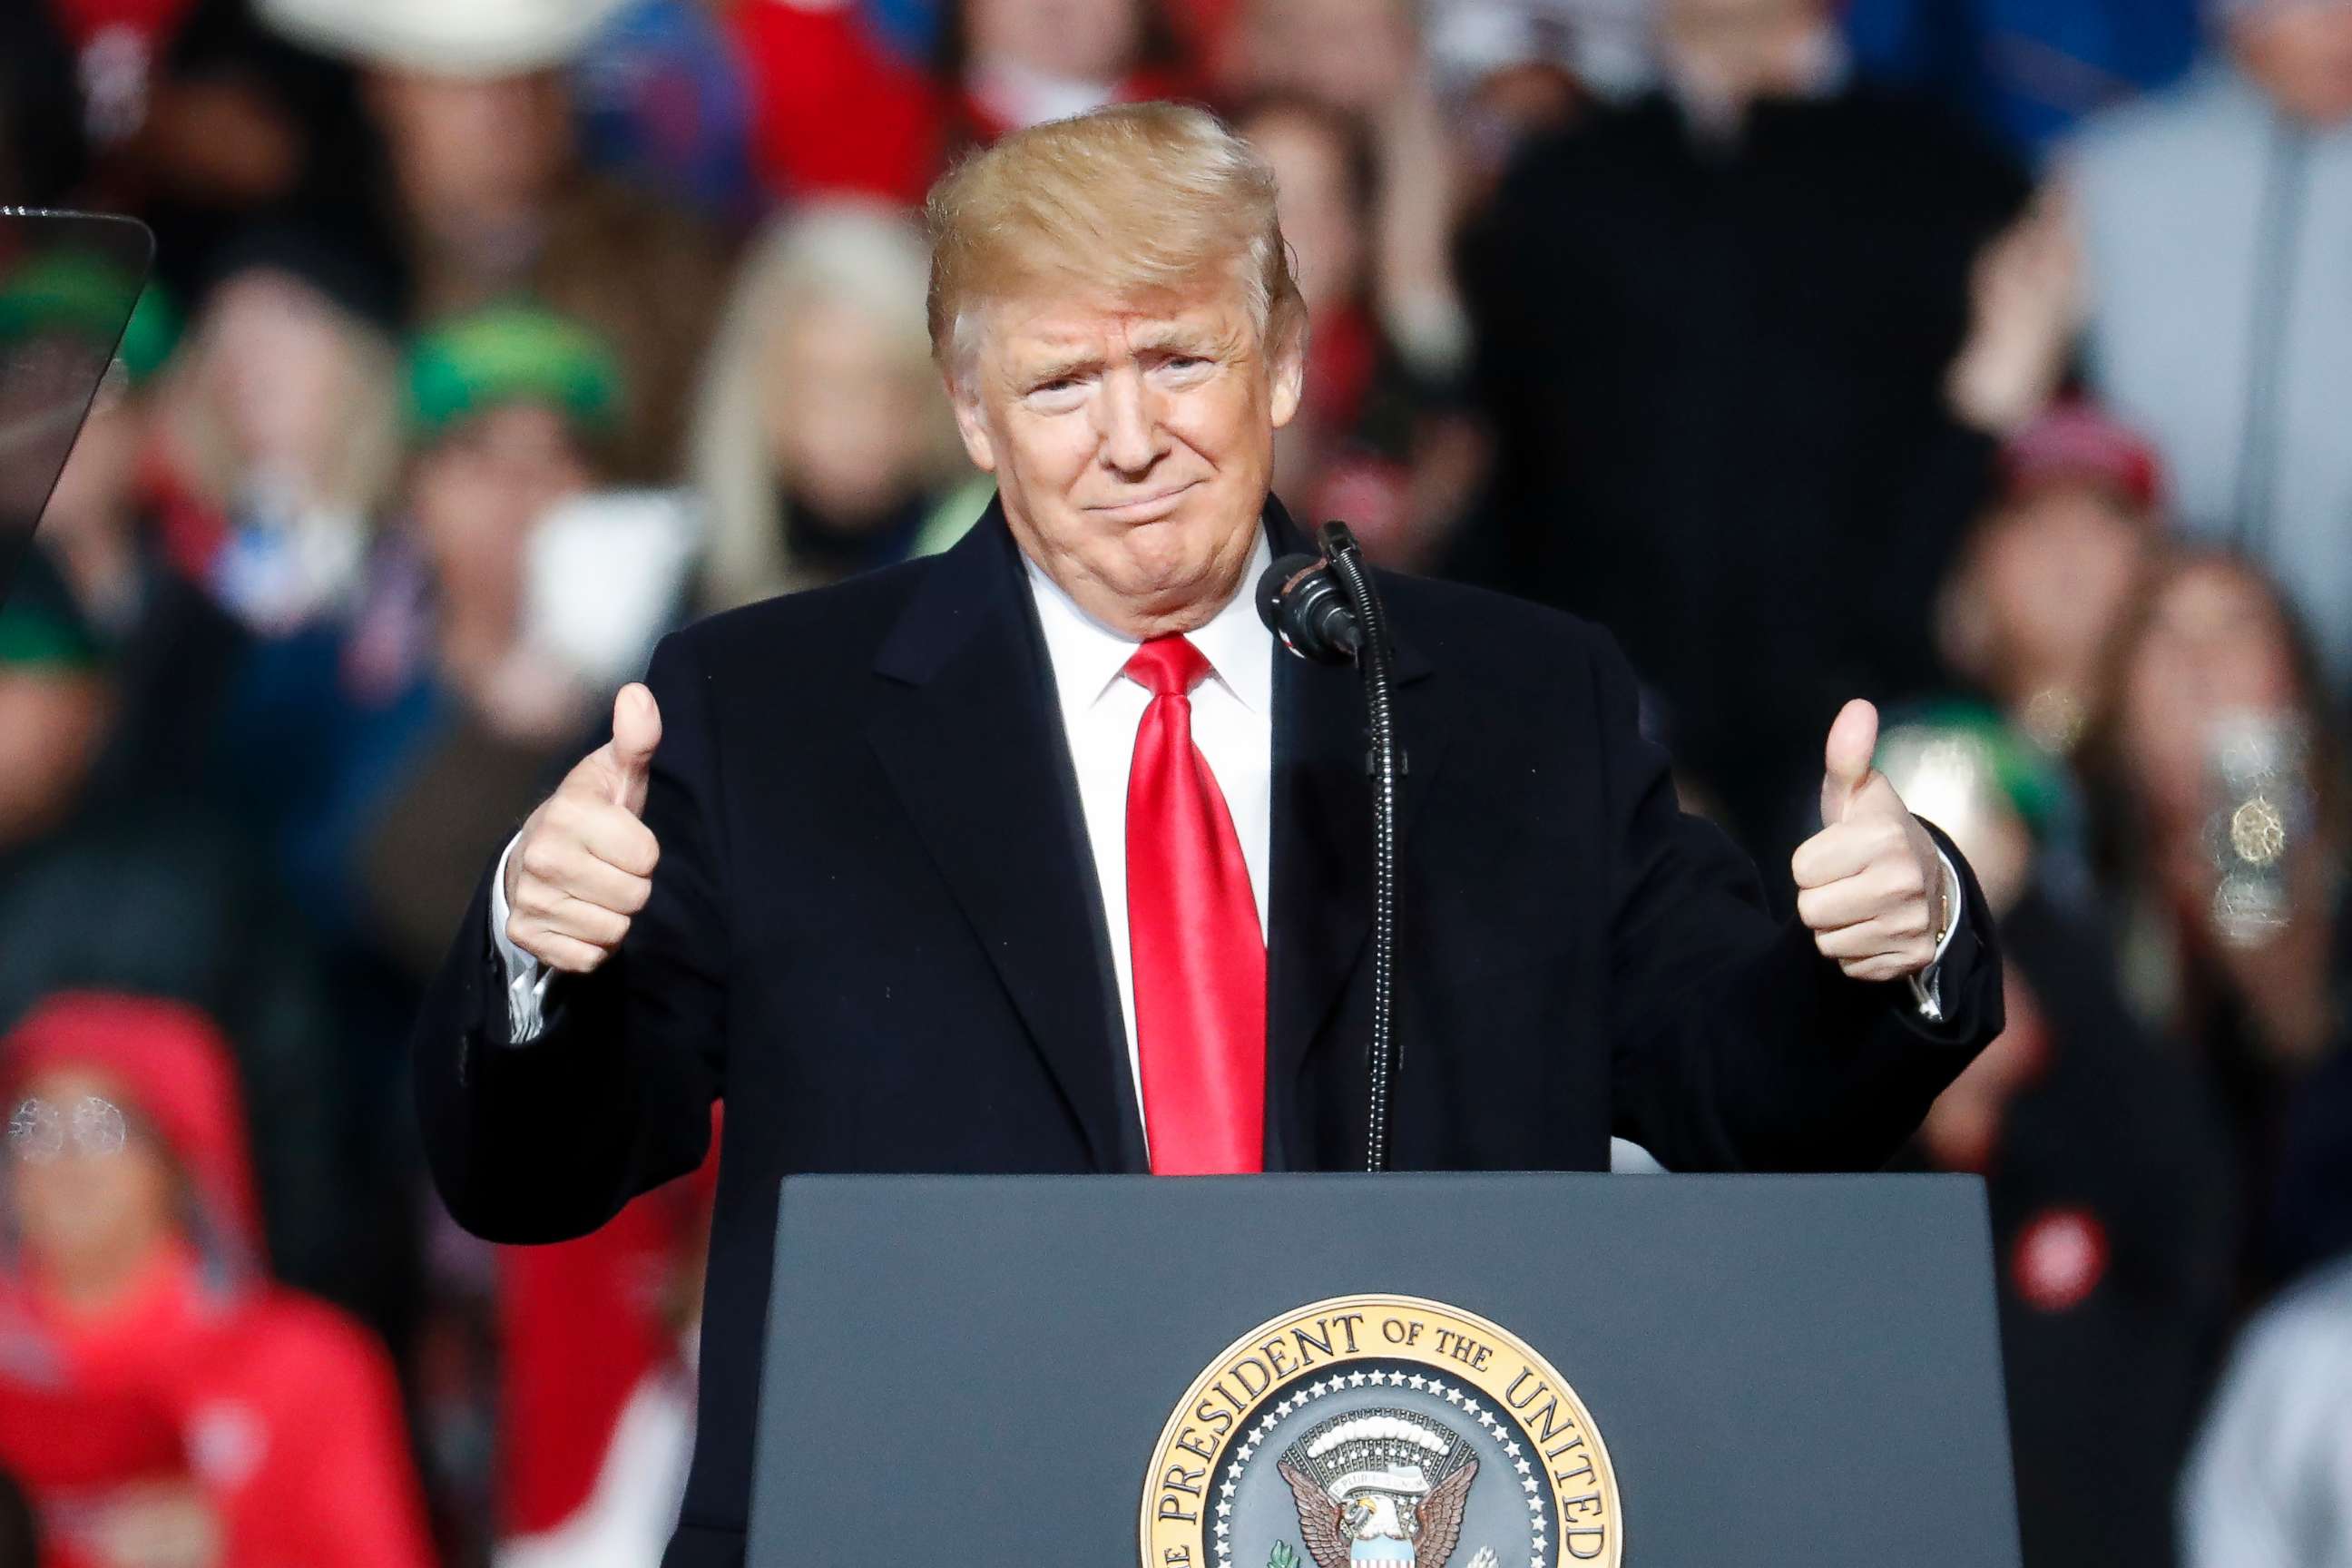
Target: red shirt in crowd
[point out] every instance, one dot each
(281, 1410)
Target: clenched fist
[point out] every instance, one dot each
(1870, 883)
(583, 863)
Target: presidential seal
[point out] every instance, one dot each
(1385, 1430)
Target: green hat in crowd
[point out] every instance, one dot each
(512, 354)
(41, 627)
(81, 295)
(1973, 738)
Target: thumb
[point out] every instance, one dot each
(1846, 760)
(637, 730)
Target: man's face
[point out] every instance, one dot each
(1081, 40)
(1322, 209)
(97, 491)
(477, 491)
(2300, 51)
(1356, 56)
(85, 1198)
(55, 721)
(473, 150)
(1132, 445)
(2057, 570)
(278, 363)
(1742, 49)
(850, 425)
(2214, 645)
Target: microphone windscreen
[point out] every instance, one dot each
(1271, 584)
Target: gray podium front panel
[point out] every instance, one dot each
(975, 1371)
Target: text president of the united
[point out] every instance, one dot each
(1034, 855)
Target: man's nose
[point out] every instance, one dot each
(1132, 441)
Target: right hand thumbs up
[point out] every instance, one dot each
(629, 755)
(584, 864)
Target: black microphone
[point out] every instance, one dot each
(1301, 604)
(1329, 610)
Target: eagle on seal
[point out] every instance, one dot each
(1379, 1526)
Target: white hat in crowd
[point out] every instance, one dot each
(444, 38)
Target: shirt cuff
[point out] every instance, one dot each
(527, 977)
(1927, 985)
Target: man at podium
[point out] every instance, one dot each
(1040, 856)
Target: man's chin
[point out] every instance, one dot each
(1177, 595)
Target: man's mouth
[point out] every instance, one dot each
(1148, 508)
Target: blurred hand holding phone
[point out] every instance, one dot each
(2258, 820)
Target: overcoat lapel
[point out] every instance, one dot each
(972, 741)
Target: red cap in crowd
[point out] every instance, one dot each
(173, 1066)
(2080, 442)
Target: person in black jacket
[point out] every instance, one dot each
(1038, 856)
(2106, 1162)
(1747, 378)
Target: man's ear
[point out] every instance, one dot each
(969, 424)
(1289, 367)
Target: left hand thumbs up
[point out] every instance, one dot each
(1853, 741)
(1870, 883)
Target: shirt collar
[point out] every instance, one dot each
(1088, 655)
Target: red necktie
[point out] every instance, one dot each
(1192, 924)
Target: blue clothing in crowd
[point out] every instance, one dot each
(2028, 68)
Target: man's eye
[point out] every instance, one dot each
(1057, 396)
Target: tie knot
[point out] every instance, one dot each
(1167, 667)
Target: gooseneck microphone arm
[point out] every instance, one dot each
(1329, 612)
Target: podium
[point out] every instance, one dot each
(1445, 1370)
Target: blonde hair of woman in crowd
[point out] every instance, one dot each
(835, 282)
(283, 407)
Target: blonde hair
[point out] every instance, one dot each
(1134, 200)
(852, 255)
(363, 454)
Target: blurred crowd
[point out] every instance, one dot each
(1988, 358)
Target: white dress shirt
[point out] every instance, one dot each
(1232, 725)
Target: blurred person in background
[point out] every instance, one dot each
(55, 705)
(2271, 1483)
(2218, 780)
(839, 107)
(1012, 64)
(2046, 574)
(1508, 73)
(2030, 69)
(278, 433)
(164, 1403)
(185, 113)
(1364, 61)
(1372, 443)
(114, 871)
(491, 200)
(665, 103)
(842, 108)
(2108, 1172)
(374, 755)
(169, 650)
(1748, 344)
(600, 1340)
(822, 445)
(378, 747)
(2213, 220)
